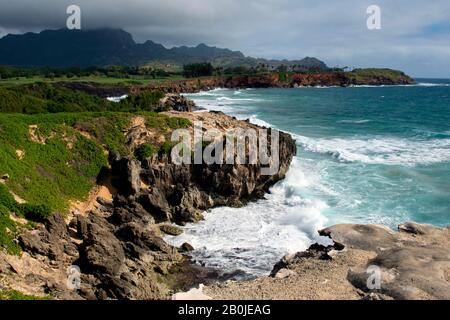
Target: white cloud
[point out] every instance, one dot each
(331, 30)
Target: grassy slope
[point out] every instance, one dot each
(39, 98)
(66, 166)
(53, 98)
(368, 73)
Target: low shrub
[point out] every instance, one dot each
(145, 151)
(36, 213)
(166, 148)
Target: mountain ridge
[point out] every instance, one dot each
(106, 47)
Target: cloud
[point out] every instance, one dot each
(414, 36)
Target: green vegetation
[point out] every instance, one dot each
(51, 98)
(59, 163)
(166, 66)
(145, 151)
(8, 231)
(145, 101)
(361, 75)
(109, 75)
(107, 129)
(101, 80)
(195, 70)
(155, 120)
(43, 98)
(17, 295)
(166, 148)
(32, 212)
(52, 159)
(54, 141)
(35, 213)
(8, 228)
(153, 72)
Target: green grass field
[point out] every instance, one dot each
(104, 80)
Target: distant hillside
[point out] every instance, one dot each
(106, 47)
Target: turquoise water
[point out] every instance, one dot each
(365, 155)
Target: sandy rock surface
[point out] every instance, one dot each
(413, 263)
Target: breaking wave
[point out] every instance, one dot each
(249, 241)
(389, 151)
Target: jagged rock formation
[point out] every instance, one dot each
(413, 263)
(179, 193)
(119, 246)
(176, 102)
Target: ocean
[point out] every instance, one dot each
(365, 155)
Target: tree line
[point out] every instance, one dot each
(8, 72)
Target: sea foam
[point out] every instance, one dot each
(388, 151)
(249, 241)
(319, 189)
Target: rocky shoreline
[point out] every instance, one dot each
(116, 248)
(274, 80)
(411, 264)
(271, 80)
(117, 243)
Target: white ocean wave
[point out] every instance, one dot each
(252, 239)
(354, 121)
(389, 151)
(214, 105)
(210, 93)
(420, 84)
(236, 99)
(317, 87)
(117, 99)
(255, 120)
(428, 84)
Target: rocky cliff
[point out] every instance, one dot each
(117, 243)
(275, 80)
(374, 77)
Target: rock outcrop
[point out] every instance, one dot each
(119, 247)
(176, 102)
(179, 193)
(414, 263)
(121, 255)
(210, 83)
(365, 262)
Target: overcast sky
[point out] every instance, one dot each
(415, 34)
